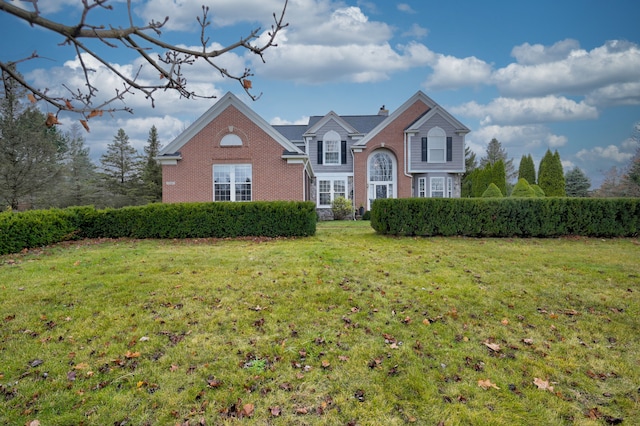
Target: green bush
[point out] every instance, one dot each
(341, 208)
(35, 228)
(185, 220)
(492, 191)
(507, 217)
(366, 215)
(523, 189)
(539, 192)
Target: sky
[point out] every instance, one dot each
(535, 75)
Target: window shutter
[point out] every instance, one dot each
(320, 153)
(424, 149)
(343, 152)
(449, 148)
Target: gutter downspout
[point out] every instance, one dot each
(353, 168)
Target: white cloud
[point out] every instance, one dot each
(527, 54)
(222, 13)
(416, 31)
(611, 152)
(565, 69)
(450, 72)
(404, 7)
(527, 111)
(281, 121)
(615, 94)
(523, 139)
(316, 64)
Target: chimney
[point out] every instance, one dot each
(383, 111)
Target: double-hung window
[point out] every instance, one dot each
(331, 152)
(330, 189)
(437, 147)
(232, 182)
(437, 187)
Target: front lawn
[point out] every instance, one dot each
(344, 328)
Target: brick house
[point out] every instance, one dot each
(231, 153)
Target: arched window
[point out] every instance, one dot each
(382, 175)
(437, 145)
(231, 139)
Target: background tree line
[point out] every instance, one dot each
(495, 175)
(41, 167)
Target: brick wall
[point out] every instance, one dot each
(192, 178)
(392, 139)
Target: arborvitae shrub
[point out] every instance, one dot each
(492, 192)
(523, 189)
(539, 192)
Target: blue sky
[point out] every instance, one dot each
(563, 74)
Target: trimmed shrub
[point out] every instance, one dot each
(185, 220)
(341, 208)
(523, 189)
(492, 192)
(507, 217)
(539, 192)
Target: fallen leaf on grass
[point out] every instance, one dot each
(486, 384)
(493, 346)
(542, 384)
(275, 411)
(130, 355)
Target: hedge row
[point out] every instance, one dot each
(187, 220)
(507, 217)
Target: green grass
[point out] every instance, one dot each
(347, 327)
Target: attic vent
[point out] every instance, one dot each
(383, 111)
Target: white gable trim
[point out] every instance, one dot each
(419, 96)
(223, 103)
(461, 129)
(324, 120)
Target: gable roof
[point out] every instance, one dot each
(419, 96)
(324, 120)
(438, 110)
(229, 99)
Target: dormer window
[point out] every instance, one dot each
(437, 146)
(332, 151)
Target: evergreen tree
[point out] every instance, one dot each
(527, 170)
(151, 173)
(79, 173)
(30, 153)
(119, 165)
(577, 184)
(480, 180)
(495, 152)
(551, 176)
(499, 177)
(470, 164)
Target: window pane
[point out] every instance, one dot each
(222, 174)
(222, 192)
(338, 186)
(381, 168)
(332, 152)
(243, 174)
(243, 192)
(437, 155)
(325, 198)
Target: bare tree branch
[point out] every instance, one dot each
(143, 40)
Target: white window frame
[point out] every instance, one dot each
(332, 151)
(333, 189)
(440, 189)
(449, 187)
(422, 187)
(437, 143)
(235, 172)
